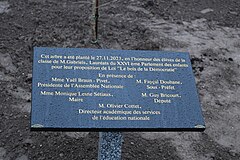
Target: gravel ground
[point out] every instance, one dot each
(208, 29)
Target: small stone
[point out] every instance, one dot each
(28, 141)
(4, 7)
(77, 135)
(23, 157)
(7, 63)
(166, 18)
(233, 13)
(2, 152)
(29, 76)
(185, 23)
(233, 153)
(207, 10)
(61, 154)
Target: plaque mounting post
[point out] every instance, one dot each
(110, 144)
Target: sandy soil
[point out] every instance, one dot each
(208, 29)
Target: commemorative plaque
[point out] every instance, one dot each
(113, 90)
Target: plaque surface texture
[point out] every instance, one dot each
(113, 90)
